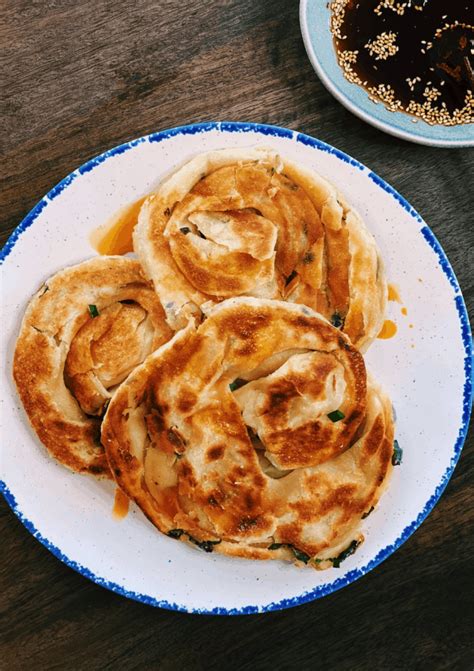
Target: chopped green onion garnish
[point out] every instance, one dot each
(336, 562)
(397, 454)
(93, 311)
(299, 554)
(302, 556)
(237, 383)
(367, 513)
(207, 546)
(290, 277)
(337, 320)
(336, 416)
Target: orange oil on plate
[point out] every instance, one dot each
(121, 504)
(393, 294)
(115, 236)
(389, 329)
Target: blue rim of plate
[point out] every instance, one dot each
(317, 38)
(351, 576)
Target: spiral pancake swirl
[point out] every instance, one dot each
(82, 334)
(255, 434)
(246, 222)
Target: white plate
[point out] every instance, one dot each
(425, 369)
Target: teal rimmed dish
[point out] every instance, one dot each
(318, 40)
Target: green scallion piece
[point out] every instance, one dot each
(290, 277)
(336, 416)
(301, 556)
(368, 512)
(337, 321)
(237, 383)
(275, 546)
(93, 311)
(336, 561)
(207, 546)
(397, 454)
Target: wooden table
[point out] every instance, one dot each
(84, 76)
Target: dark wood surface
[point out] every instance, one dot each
(80, 77)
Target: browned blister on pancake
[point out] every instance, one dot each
(83, 332)
(255, 433)
(245, 222)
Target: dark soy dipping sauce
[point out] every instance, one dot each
(435, 40)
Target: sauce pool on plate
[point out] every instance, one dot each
(115, 236)
(121, 505)
(414, 56)
(393, 294)
(388, 330)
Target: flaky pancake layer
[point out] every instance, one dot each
(247, 222)
(255, 434)
(83, 332)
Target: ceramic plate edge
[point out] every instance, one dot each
(355, 574)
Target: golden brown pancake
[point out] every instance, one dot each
(255, 434)
(246, 222)
(83, 332)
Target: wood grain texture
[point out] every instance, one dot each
(81, 77)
